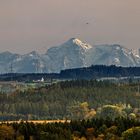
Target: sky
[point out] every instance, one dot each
(27, 25)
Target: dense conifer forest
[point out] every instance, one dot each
(94, 129)
(92, 72)
(97, 110)
(77, 100)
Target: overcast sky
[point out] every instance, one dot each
(27, 25)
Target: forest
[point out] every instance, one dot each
(72, 100)
(91, 110)
(93, 129)
(92, 72)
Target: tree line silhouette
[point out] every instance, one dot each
(92, 72)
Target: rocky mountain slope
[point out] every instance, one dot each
(72, 54)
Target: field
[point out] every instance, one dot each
(37, 121)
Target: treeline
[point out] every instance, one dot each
(98, 71)
(80, 99)
(85, 84)
(92, 72)
(94, 129)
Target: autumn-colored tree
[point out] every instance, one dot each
(111, 111)
(131, 134)
(6, 132)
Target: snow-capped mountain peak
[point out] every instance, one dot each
(78, 42)
(33, 54)
(74, 53)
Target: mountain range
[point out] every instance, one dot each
(72, 54)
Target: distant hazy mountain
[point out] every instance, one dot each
(72, 54)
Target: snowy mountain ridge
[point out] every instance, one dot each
(72, 54)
